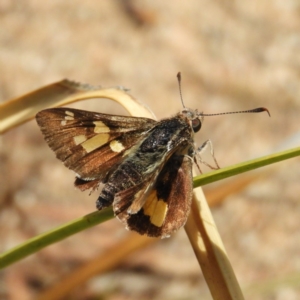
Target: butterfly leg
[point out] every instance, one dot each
(201, 149)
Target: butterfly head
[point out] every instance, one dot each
(194, 117)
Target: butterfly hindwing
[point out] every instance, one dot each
(167, 205)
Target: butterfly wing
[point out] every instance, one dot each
(168, 204)
(90, 143)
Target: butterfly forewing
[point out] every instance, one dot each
(90, 143)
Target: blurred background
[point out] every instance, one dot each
(233, 55)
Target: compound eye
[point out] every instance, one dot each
(196, 124)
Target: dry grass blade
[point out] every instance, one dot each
(210, 251)
(99, 264)
(19, 110)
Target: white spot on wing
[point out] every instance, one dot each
(79, 139)
(69, 113)
(68, 117)
(116, 146)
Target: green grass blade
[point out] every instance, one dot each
(41, 241)
(245, 167)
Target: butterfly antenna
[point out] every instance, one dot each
(179, 84)
(255, 110)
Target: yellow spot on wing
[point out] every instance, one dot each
(79, 139)
(116, 146)
(95, 142)
(150, 203)
(159, 214)
(156, 209)
(100, 127)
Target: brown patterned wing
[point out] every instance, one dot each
(168, 204)
(90, 143)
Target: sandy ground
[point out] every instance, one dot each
(233, 55)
